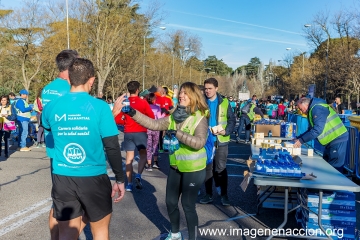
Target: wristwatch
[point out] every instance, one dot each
(119, 182)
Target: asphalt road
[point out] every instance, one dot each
(25, 202)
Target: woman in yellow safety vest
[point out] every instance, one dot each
(188, 122)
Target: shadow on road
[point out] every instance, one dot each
(19, 177)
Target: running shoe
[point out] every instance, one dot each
(238, 140)
(225, 200)
(138, 181)
(149, 169)
(155, 166)
(129, 187)
(207, 199)
(43, 145)
(177, 236)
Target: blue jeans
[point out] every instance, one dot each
(335, 154)
(23, 132)
(244, 120)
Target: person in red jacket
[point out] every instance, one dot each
(281, 110)
(164, 102)
(135, 135)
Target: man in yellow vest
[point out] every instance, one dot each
(327, 127)
(246, 118)
(23, 117)
(220, 114)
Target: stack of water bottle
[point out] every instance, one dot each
(268, 122)
(170, 143)
(277, 162)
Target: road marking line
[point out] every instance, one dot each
(239, 217)
(24, 211)
(21, 222)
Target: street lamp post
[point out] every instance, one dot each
(173, 68)
(327, 55)
(303, 56)
(188, 50)
(144, 58)
(67, 25)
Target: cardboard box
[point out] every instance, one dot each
(296, 151)
(275, 129)
(217, 129)
(307, 152)
(288, 144)
(259, 142)
(278, 204)
(259, 135)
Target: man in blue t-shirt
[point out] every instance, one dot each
(81, 133)
(218, 166)
(57, 88)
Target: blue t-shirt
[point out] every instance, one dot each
(78, 123)
(213, 108)
(50, 92)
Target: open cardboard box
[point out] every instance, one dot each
(275, 129)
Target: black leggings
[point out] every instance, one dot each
(187, 184)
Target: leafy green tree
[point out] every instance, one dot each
(217, 66)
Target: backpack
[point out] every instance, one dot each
(210, 148)
(246, 108)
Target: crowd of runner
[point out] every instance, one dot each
(79, 139)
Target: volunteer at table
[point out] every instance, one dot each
(327, 127)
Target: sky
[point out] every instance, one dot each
(238, 30)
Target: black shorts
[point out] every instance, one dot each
(135, 140)
(74, 195)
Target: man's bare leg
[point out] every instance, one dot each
(142, 161)
(69, 230)
(54, 228)
(129, 167)
(100, 229)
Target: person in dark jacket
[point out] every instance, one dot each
(327, 127)
(247, 118)
(220, 114)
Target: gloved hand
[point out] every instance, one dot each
(132, 112)
(163, 110)
(171, 132)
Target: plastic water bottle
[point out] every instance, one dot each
(167, 143)
(268, 167)
(270, 134)
(297, 170)
(260, 165)
(126, 103)
(174, 143)
(276, 167)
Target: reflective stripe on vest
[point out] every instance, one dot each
(21, 114)
(333, 127)
(251, 113)
(186, 158)
(222, 119)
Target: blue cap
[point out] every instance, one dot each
(24, 91)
